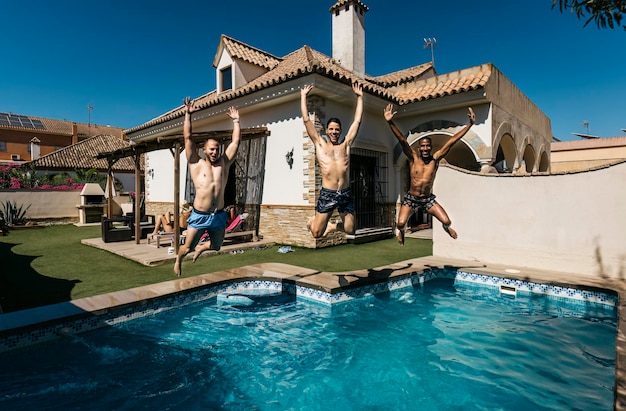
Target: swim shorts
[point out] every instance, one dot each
(212, 221)
(339, 199)
(416, 202)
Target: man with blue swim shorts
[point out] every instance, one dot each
(333, 158)
(423, 165)
(210, 221)
(209, 176)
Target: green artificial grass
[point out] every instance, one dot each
(42, 266)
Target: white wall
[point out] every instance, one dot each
(44, 203)
(571, 223)
(282, 185)
(160, 186)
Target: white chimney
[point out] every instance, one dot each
(35, 148)
(349, 35)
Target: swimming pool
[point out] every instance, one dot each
(437, 345)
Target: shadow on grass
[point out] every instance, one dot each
(22, 287)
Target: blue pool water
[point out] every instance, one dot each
(439, 347)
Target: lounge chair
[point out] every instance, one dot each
(117, 229)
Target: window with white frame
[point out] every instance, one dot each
(226, 78)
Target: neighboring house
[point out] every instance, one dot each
(83, 156)
(25, 138)
(511, 135)
(585, 154)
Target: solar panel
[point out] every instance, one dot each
(16, 120)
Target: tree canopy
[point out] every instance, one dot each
(605, 13)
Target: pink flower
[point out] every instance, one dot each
(15, 182)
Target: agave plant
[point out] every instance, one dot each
(14, 214)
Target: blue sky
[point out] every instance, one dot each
(134, 60)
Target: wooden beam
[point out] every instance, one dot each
(167, 142)
(177, 150)
(137, 200)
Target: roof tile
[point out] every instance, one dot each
(82, 155)
(402, 87)
(248, 53)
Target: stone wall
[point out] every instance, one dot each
(288, 225)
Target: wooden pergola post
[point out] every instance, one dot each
(137, 194)
(177, 149)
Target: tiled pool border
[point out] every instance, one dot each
(48, 330)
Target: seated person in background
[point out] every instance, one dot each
(165, 224)
(231, 213)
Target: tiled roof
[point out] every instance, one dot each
(247, 53)
(64, 127)
(444, 85)
(342, 3)
(402, 87)
(402, 76)
(82, 155)
(589, 144)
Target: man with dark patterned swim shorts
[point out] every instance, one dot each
(423, 165)
(417, 203)
(333, 157)
(340, 199)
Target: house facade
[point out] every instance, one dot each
(568, 156)
(511, 134)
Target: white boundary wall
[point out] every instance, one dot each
(44, 203)
(570, 222)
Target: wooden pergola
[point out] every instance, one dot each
(174, 143)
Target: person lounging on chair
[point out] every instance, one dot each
(164, 223)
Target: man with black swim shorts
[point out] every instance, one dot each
(209, 178)
(333, 158)
(423, 166)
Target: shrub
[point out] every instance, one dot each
(13, 214)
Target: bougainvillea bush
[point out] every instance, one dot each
(16, 177)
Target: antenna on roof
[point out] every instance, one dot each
(586, 125)
(89, 108)
(431, 42)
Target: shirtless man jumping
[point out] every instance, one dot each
(423, 167)
(333, 158)
(209, 179)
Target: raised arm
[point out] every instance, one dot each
(231, 150)
(191, 149)
(445, 149)
(308, 124)
(358, 114)
(406, 148)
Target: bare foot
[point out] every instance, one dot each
(329, 228)
(308, 223)
(400, 236)
(178, 267)
(200, 249)
(450, 231)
